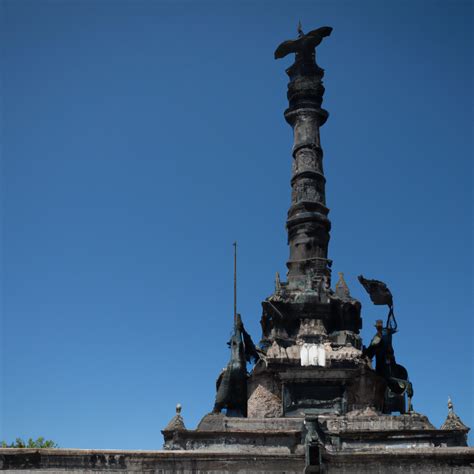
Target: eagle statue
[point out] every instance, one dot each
(304, 46)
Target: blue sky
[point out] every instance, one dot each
(140, 139)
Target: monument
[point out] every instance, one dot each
(313, 391)
(316, 399)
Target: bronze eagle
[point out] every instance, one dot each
(305, 44)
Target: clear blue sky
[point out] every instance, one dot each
(140, 139)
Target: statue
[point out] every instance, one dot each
(381, 347)
(231, 385)
(277, 284)
(304, 46)
(342, 290)
(304, 49)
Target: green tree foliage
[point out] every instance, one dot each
(31, 443)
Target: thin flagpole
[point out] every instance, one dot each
(235, 282)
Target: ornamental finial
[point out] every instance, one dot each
(450, 405)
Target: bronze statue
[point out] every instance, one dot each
(305, 44)
(381, 347)
(304, 49)
(231, 385)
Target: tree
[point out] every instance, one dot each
(31, 443)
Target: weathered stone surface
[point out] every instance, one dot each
(371, 420)
(212, 422)
(453, 422)
(347, 352)
(400, 461)
(265, 424)
(264, 404)
(311, 328)
(380, 461)
(177, 422)
(163, 462)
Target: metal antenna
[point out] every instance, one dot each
(235, 282)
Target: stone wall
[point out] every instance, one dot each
(158, 462)
(411, 461)
(402, 461)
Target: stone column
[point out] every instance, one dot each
(308, 225)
